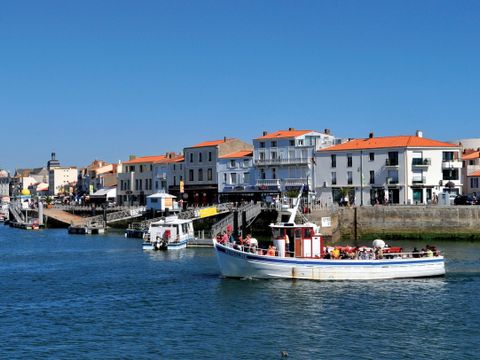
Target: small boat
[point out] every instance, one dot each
(170, 233)
(305, 257)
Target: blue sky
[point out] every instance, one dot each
(105, 79)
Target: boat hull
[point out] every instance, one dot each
(238, 264)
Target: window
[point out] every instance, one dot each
(349, 160)
(209, 156)
(209, 174)
(200, 174)
(191, 157)
(262, 156)
(392, 158)
(199, 157)
(233, 177)
(246, 163)
(334, 160)
(262, 144)
(225, 177)
(274, 155)
(141, 168)
(246, 178)
(173, 167)
(274, 173)
(371, 156)
(151, 167)
(372, 177)
(450, 174)
(334, 178)
(417, 177)
(291, 142)
(174, 180)
(349, 178)
(262, 174)
(474, 182)
(448, 156)
(300, 142)
(273, 144)
(232, 163)
(140, 185)
(190, 175)
(392, 177)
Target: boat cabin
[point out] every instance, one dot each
(298, 240)
(173, 230)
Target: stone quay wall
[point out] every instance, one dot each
(401, 222)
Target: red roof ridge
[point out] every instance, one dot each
(403, 141)
(237, 154)
(279, 134)
(211, 143)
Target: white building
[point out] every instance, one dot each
(397, 169)
(4, 184)
(168, 172)
(284, 159)
(135, 179)
(201, 181)
(62, 180)
(236, 176)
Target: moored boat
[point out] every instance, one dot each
(306, 257)
(170, 233)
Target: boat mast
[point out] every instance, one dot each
(293, 212)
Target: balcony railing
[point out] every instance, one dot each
(454, 164)
(421, 162)
(391, 181)
(281, 161)
(269, 183)
(419, 180)
(391, 162)
(295, 181)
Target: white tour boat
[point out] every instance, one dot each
(299, 253)
(170, 233)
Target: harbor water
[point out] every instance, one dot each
(102, 297)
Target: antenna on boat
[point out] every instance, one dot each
(293, 213)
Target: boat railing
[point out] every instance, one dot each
(254, 249)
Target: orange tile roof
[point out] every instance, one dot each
(388, 142)
(210, 143)
(476, 173)
(284, 134)
(146, 159)
(471, 156)
(238, 154)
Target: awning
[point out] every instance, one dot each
(105, 193)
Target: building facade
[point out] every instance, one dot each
(168, 172)
(471, 171)
(4, 184)
(201, 180)
(393, 169)
(236, 177)
(135, 179)
(62, 180)
(284, 160)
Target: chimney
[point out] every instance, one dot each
(132, 157)
(327, 131)
(370, 135)
(264, 133)
(291, 129)
(224, 139)
(419, 133)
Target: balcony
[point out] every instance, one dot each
(295, 182)
(419, 180)
(392, 181)
(280, 161)
(453, 164)
(391, 163)
(271, 184)
(418, 162)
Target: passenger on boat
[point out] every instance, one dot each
(335, 254)
(224, 238)
(271, 250)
